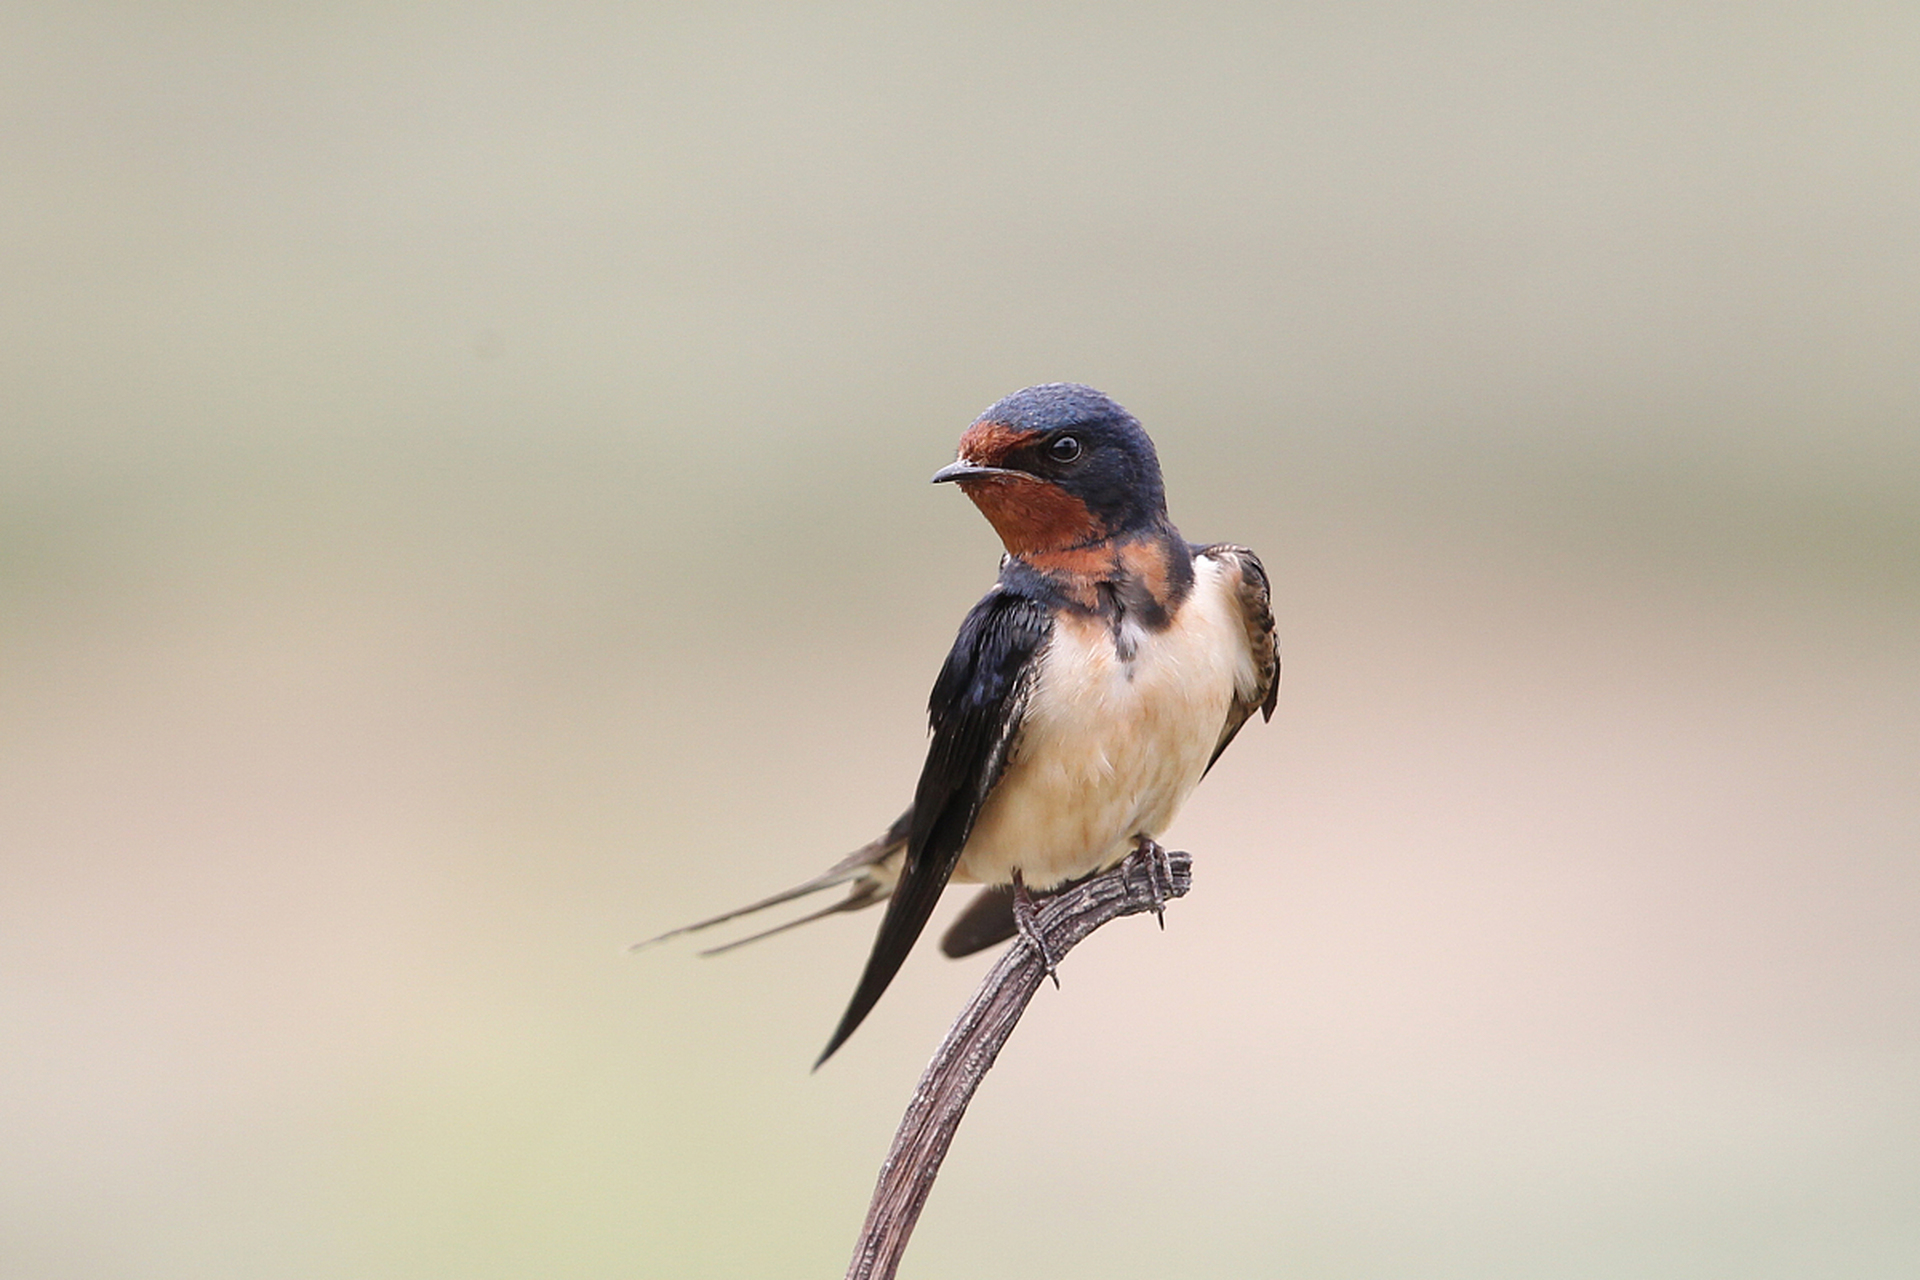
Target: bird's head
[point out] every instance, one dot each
(1059, 466)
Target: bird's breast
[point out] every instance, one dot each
(1120, 724)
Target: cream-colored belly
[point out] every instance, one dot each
(1110, 747)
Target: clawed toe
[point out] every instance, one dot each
(1159, 869)
(1026, 922)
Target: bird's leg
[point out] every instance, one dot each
(1159, 875)
(1025, 924)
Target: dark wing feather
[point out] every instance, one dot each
(1256, 610)
(987, 920)
(974, 714)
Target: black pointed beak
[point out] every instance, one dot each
(964, 470)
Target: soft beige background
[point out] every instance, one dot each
(463, 507)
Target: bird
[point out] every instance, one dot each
(1084, 698)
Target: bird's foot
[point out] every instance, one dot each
(1026, 923)
(1159, 870)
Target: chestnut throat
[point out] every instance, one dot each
(1141, 577)
(1067, 553)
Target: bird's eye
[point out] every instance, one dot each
(1065, 449)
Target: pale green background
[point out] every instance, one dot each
(463, 507)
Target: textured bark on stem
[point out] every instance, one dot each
(1064, 920)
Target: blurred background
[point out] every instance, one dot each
(463, 507)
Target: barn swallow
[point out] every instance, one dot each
(1084, 698)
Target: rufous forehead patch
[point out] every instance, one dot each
(988, 444)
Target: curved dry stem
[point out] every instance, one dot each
(1141, 883)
